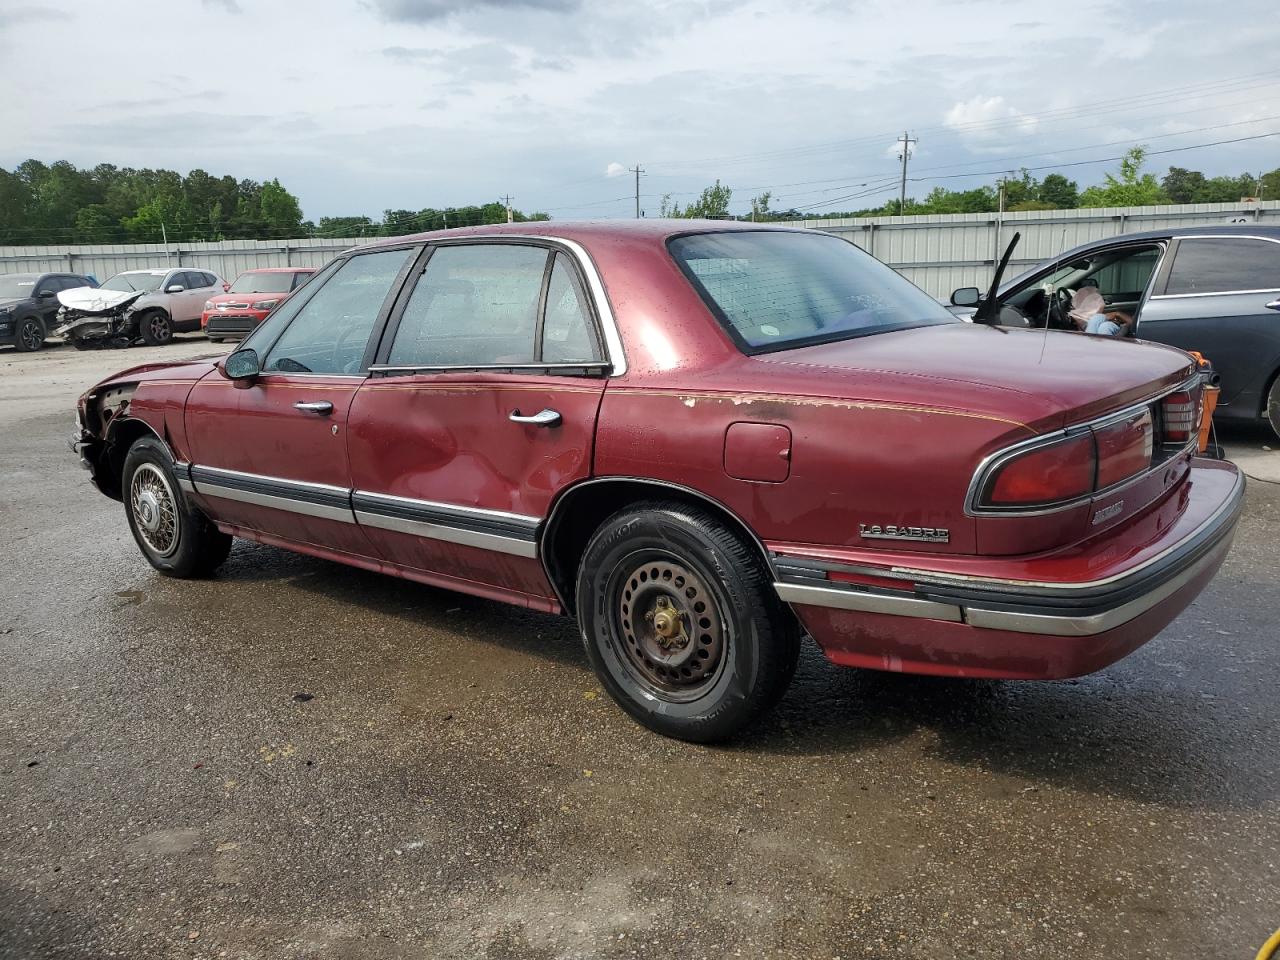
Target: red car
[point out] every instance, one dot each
(234, 315)
(700, 439)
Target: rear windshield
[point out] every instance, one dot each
(773, 290)
(263, 283)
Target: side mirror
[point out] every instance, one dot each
(174, 288)
(965, 297)
(242, 365)
(45, 295)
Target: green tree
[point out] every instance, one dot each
(712, 204)
(1128, 187)
(1059, 191)
(760, 206)
(281, 213)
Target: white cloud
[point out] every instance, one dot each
(988, 117)
(614, 170)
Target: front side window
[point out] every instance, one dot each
(331, 330)
(476, 305)
(774, 290)
(1223, 265)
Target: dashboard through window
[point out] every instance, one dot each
(775, 289)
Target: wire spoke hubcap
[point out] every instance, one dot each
(672, 634)
(155, 512)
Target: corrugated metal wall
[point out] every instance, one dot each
(938, 253)
(227, 258)
(942, 252)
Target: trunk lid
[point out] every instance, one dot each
(1044, 380)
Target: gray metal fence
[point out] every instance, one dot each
(938, 253)
(942, 252)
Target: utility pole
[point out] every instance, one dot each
(507, 201)
(637, 170)
(165, 235)
(906, 141)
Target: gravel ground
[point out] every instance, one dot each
(298, 759)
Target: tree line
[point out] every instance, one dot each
(1127, 186)
(59, 203)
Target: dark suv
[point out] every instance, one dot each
(1214, 289)
(29, 303)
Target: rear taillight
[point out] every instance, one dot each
(1124, 448)
(1181, 415)
(1086, 460)
(1045, 475)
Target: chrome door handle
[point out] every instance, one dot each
(314, 406)
(543, 418)
(1273, 305)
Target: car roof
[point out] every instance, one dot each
(1208, 230)
(1172, 233)
(278, 270)
(152, 270)
(657, 229)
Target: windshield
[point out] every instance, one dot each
(16, 286)
(774, 290)
(128, 282)
(262, 283)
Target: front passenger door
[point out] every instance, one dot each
(270, 455)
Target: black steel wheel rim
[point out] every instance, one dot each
(667, 625)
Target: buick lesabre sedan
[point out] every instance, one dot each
(702, 440)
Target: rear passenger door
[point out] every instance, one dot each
(1221, 297)
(480, 408)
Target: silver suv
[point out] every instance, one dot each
(172, 300)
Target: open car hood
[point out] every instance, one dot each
(96, 300)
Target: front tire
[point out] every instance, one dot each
(681, 622)
(30, 335)
(156, 328)
(176, 539)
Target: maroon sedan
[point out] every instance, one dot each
(700, 439)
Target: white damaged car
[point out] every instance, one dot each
(146, 306)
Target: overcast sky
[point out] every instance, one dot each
(360, 105)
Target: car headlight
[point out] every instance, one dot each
(208, 306)
(4, 313)
(265, 304)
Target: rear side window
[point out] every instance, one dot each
(300, 278)
(567, 332)
(476, 305)
(774, 289)
(1224, 264)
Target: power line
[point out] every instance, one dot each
(1175, 94)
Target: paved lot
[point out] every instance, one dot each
(302, 760)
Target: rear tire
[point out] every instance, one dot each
(30, 335)
(1273, 405)
(155, 328)
(176, 539)
(681, 622)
